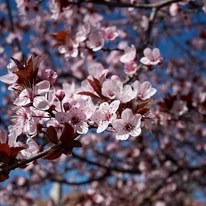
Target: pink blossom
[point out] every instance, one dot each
(95, 41)
(55, 9)
(130, 68)
(109, 33)
(125, 93)
(129, 124)
(129, 56)
(74, 116)
(34, 96)
(29, 8)
(77, 118)
(25, 123)
(96, 70)
(151, 57)
(144, 22)
(114, 88)
(174, 9)
(93, 18)
(143, 91)
(70, 49)
(83, 32)
(110, 88)
(105, 114)
(49, 75)
(179, 108)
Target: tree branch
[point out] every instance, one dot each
(128, 5)
(31, 159)
(89, 180)
(117, 169)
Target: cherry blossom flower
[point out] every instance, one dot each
(114, 89)
(144, 22)
(105, 114)
(96, 70)
(35, 96)
(179, 108)
(83, 32)
(93, 18)
(77, 118)
(129, 124)
(49, 75)
(55, 9)
(143, 91)
(29, 8)
(151, 57)
(70, 49)
(24, 122)
(95, 41)
(110, 88)
(130, 68)
(129, 56)
(174, 9)
(74, 116)
(109, 33)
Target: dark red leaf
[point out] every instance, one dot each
(67, 134)
(18, 64)
(16, 150)
(144, 106)
(76, 143)
(4, 148)
(26, 75)
(95, 86)
(89, 94)
(52, 134)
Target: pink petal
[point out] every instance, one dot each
(102, 126)
(41, 103)
(135, 132)
(122, 137)
(42, 87)
(148, 53)
(156, 53)
(145, 60)
(127, 114)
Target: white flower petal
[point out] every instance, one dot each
(102, 126)
(41, 103)
(122, 137)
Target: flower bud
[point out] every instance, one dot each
(60, 94)
(67, 106)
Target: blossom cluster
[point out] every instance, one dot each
(102, 101)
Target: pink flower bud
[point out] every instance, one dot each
(67, 106)
(60, 94)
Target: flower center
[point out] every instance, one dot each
(75, 120)
(107, 116)
(129, 127)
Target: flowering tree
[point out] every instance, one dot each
(107, 97)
